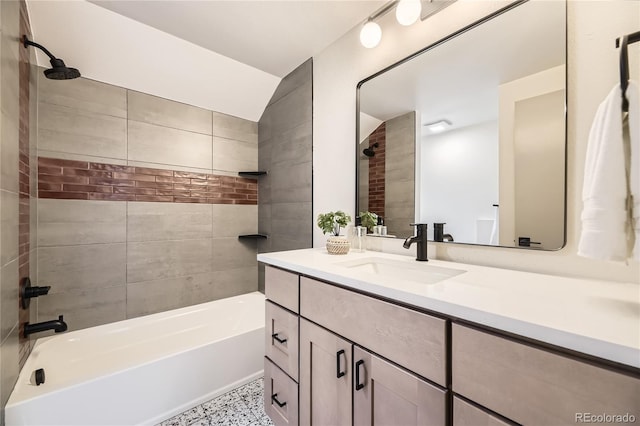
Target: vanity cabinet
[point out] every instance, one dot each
(281, 347)
(332, 370)
(533, 386)
(352, 359)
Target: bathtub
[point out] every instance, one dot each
(143, 370)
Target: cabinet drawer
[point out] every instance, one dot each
(465, 414)
(412, 339)
(280, 396)
(281, 338)
(534, 386)
(281, 287)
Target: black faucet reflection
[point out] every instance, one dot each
(57, 326)
(421, 239)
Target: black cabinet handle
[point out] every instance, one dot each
(281, 341)
(358, 384)
(274, 398)
(339, 372)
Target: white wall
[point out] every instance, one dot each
(117, 50)
(592, 71)
(460, 179)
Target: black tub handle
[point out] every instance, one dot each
(281, 341)
(358, 384)
(339, 372)
(274, 398)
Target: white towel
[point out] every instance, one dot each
(604, 215)
(633, 95)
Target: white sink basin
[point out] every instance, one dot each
(420, 272)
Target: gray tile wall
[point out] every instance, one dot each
(11, 111)
(109, 260)
(285, 140)
(399, 174)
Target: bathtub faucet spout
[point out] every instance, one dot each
(57, 326)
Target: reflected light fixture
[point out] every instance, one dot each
(408, 11)
(438, 126)
(370, 34)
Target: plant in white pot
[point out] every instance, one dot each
(369, 220)
(330, 223)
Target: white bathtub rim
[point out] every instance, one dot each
(152, 360)
(121, 370)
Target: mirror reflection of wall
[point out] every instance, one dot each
(489, 109)
(386, 173)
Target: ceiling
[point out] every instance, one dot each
(272, 36)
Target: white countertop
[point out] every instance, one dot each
(598, 318)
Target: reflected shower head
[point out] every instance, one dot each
(58, 70)
(369, 152)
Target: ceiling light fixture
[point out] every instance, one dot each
(408, 11)
(438, 126)
(370, 34)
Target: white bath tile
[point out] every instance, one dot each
(157, 260)
(72, 222)
(168, 221)
(81, 267)
(220, 403)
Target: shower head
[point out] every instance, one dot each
(369, 152)
(58, 70)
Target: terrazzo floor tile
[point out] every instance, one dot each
(239, 407)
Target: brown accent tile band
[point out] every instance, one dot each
(84, 180)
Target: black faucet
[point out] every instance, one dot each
(57, 326)
(421, 239)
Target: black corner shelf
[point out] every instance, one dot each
(253, 236)
(258, 173)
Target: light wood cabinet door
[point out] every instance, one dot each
(465, 414)
(385, 395)
(325, 377)
(280, 396)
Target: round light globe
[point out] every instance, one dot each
(370, 35)
(408, 11)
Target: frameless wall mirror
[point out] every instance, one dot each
(470, 132)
